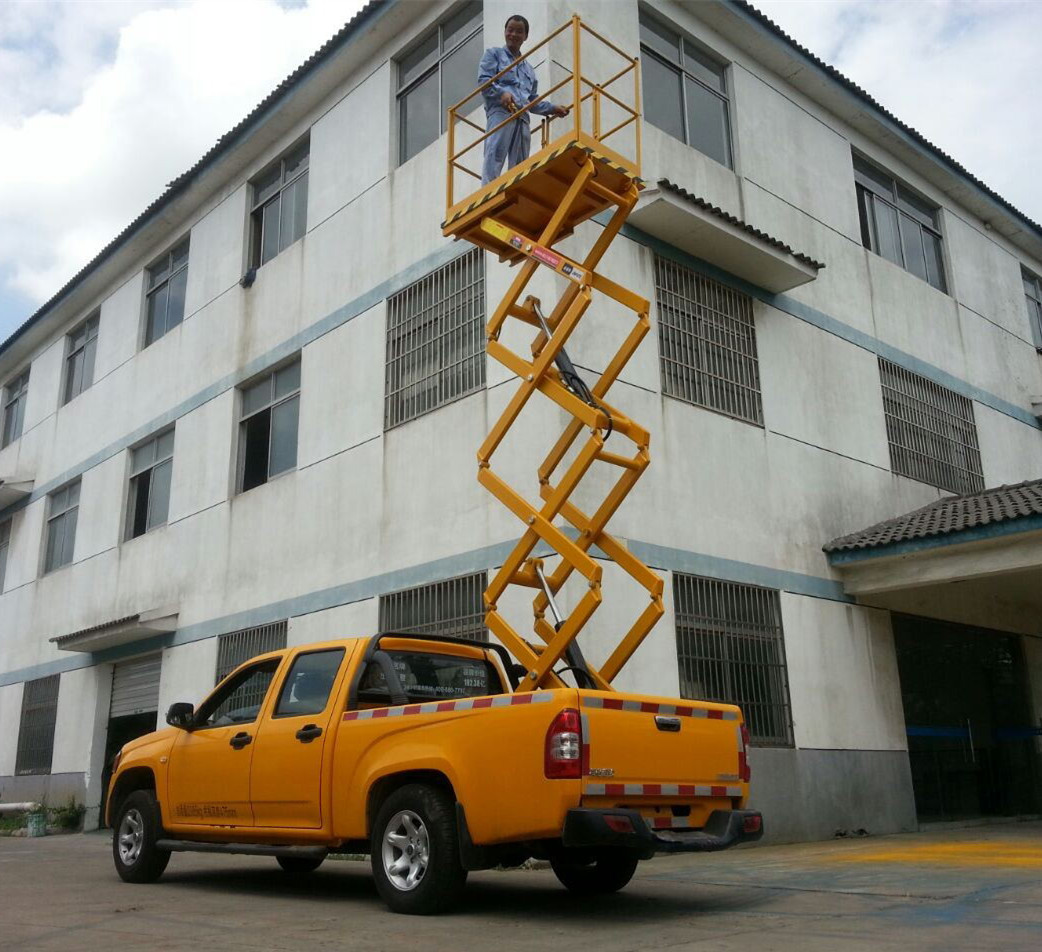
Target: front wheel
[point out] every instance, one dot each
(299, 865)
(134, 835)
(594, 873)
(414, 851)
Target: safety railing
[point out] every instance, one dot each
(583, 89)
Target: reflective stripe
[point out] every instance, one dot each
(646, 707)
(445, 707)
(659, 790)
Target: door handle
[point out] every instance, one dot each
(308, 733)
(240, 740)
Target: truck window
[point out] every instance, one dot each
(430, 677)
(239, 699)
(307, 686)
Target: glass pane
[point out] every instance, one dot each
(308, 685)
(179, 256)
(459, 76)
(159, 272)
(74, 494)
(707, 126)
(68, 536)
(1035, 317)
(294, 212)
(73, 376)
(240, 701)
(137, 518)
(270, 231)
(420, 116)
(156, 316)
(934, 261)
(54, 538)
(175, 308)
(284, 436)
(703, 67)
(159, 496)
(296, 162)
(918, 208)
(1030, 287)
(257, 396)
(413, 64)
(456, 27)
(287, 380)
(873, 178)
(912, 242)
(267, 185)
(660, 39)
(663, 106)
(165, 445)
(886, 231)
(143, 457)
(88, 362)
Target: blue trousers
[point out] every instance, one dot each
(513, 143)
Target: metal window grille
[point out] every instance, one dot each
(731, 648)
(454, 607)
(15, 394)
(239, 646)
(707, 343)
(436, 339)
(36, 731)
(931, 431)
(5, 548)
(79, 361)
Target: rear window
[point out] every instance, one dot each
(430, 677)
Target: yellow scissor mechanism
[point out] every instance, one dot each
(522, 216)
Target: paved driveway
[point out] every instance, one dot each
(977, 888)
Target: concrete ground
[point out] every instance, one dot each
(956, 889)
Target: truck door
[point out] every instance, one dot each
(208, 781)
(286, 777)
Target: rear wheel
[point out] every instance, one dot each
(414, 850)
(134, 836)
(594, 873)
(299, 865)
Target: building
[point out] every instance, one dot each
(252, 419)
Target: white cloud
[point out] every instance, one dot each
(964, 73)
(100, 120)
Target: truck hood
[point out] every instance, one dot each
(166, 734)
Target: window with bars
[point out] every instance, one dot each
(731, 648)
(707, 343)
(279, 213)
(269, 426)
(931, 431)
(454, 608)
(685, 90)
(434, 75)
(151, 466)
(63, 514)
(81, 345)
(899, 225)
(238, 646)
(5, 547)
(167, 281)
(36, 730)
(15, 394)
(1033, 296)
(436, 340)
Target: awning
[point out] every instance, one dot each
(120, 631)
(673, 214)
(13, 489)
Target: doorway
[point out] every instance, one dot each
(971, 740)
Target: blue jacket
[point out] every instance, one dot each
(520, 82)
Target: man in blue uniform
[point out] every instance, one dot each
(511, 92)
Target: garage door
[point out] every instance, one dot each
(135, 686)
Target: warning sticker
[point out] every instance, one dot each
(546, 257)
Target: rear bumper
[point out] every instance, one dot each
(607, 828)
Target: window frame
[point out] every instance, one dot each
(47, 703)
(269, 408)
(261, 198)
(87, 349)
(133, 484)
(425, 70)
(15, 397)
(72, 506)
(709, 60)
(168, 267)
(1033, 300)
(906, 205)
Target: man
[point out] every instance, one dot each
(508, 94)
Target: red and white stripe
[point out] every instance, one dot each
(646, 707)
(659, 790)
(444, 707)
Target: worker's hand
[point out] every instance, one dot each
(507, 101)
(560, 112)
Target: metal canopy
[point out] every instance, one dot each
(121, 631)
(13, 489)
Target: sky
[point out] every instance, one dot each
(103, 102)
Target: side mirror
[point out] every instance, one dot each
(181, 714)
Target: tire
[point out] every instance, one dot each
(588, 873)
(134, 836)
(299, 865)
(414, 851)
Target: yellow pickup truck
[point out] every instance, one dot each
(421, 752)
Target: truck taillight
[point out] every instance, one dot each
(562, 756)
(744, 770)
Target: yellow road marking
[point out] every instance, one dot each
(980, 853)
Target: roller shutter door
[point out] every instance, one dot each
(135, 686)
